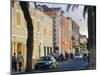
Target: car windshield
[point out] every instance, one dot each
(45, 58)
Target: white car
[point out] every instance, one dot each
(78, 57)
(46, 62)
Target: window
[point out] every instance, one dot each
(48, 51)
(44, 51)
(39, 51)
(18, 19)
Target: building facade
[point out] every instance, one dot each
(65, 31)
(62, 30)
(75, 37)
(70, 32)
(66, 34)
(43, 33)
(55, 14)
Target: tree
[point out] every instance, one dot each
(91, 10)
(24, 6)
(30, 35)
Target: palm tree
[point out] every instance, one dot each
(91, 10)
(91, 21)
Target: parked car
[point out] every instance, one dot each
(46, 62)
(79, 56)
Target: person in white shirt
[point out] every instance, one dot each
(20, 60)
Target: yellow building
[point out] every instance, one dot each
(43, 35)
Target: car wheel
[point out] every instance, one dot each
(51, 66)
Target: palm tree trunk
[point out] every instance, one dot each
(92, 36)
(24, 7)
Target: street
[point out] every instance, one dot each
(69, 65)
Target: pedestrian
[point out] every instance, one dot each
(71, 55)
(14, 62)
(88, 57)
(66, 56)
(85, 57)
(20, 60)
(62, 57)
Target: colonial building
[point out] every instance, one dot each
(43, 33)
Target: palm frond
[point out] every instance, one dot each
(74, 6)
(85, 10)
(77, 6)
(68, 7)
(35, 5)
